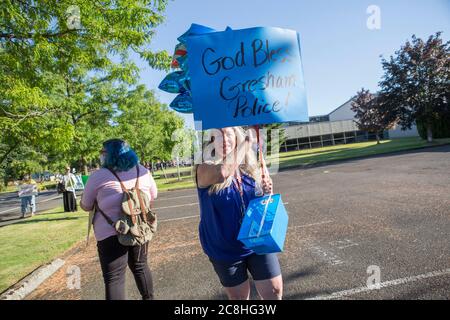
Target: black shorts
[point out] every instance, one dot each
(261, 267)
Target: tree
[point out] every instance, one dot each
(185, 146)
(440, 128)
(61, 75)
(277, 132)
(370, 113)
(416, 82)
(23, 160)
(147, 125)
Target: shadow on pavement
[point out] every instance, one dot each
(298, 275)
(287, 277)
(302, 273)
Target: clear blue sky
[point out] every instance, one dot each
(340, 54)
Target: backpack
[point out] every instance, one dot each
(60, 187)
(137, 222)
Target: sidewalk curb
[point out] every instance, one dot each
(28, 284)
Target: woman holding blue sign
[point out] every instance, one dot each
(225, 189)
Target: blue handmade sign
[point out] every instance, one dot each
(246, 77)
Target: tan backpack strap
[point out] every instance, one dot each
(130, 206)
(137, 185)
(141, 202)
(121, 183)
(137, 178)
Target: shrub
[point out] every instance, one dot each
(440, 128)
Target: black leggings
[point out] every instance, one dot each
(69, 201)
(114, 258)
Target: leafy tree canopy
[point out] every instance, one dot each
(416, 81)
(66, 73)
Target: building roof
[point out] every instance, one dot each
(342, 105)
(324, 115)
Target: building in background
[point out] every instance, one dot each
(337, 127)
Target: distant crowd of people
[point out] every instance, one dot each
(160, 165)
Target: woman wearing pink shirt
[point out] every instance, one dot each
(104, 188)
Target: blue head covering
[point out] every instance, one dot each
(119, 155)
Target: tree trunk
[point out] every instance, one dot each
(164, 172)
(377, 135)
(11, 149)
(84, 166)
(429, 132)
(178, 169)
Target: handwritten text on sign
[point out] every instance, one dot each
(247, 77)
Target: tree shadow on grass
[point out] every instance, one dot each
(48, 220)
(17, 220)
(313, 158)
(298, 153)
(344, 156)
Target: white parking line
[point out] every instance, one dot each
(162, 199)
(343, 244)
(386, 284)
(190, 196)
(311, 224)
(173, 219)
(9, 210)
(57, 197)
(177, 206)
(197, 215)
(326, 255)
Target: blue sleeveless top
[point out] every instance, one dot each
(220, 221)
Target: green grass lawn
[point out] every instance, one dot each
(42, 187)
(173, 183)
(32, 242)
(353, 150)
(171, 171)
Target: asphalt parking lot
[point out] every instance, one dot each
(388, 213)
(10, 211)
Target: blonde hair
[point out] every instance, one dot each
(250, 165)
